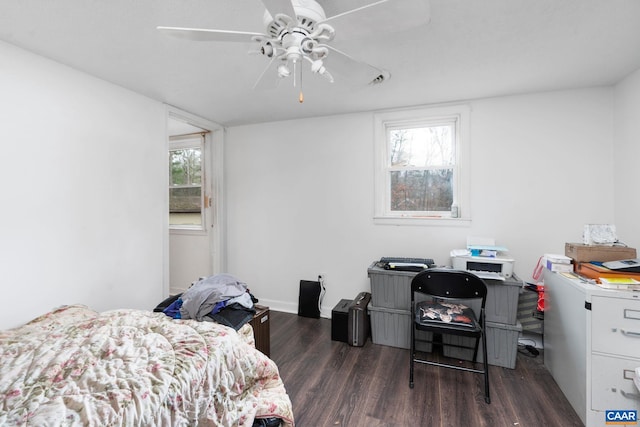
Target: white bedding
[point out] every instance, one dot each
(74, 366)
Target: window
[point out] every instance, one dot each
(421, 165)
(185, 186)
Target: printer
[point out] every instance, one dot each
(485, 260)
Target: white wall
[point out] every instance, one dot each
(84, 191)
(84, 197)
(300, 193)
(627, 155)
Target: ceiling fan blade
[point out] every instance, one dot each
(201, 34)
(269, 78)
(378, 17)
(347, 68)
(275, 7)
(355, 9)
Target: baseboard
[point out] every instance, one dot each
(290, 307)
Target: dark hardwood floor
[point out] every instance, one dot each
(333, 384)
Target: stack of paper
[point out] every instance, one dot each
(619, 283)
(559, 263)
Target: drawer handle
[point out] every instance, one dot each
(631, 314)
(631, 334)
(632, 396)
(628, 374)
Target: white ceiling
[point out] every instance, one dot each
(469, 49)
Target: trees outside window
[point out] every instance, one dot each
(185, 186)
(420, 157)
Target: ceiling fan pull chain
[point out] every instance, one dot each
(295, 72)
(301, 96)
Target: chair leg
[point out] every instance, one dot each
(485, 362)
(411, 355)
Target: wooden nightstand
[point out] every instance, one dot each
(261, 332)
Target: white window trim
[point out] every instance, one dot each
(461, 195)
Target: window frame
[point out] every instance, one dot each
(180, 142)
(459, 116)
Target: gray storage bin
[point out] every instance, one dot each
(392, 327)
(502, 345)
(390, 289)
(502, 300)
(391, 318)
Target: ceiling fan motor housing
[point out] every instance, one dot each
(308, 14)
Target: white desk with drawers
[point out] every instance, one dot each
(592, 345)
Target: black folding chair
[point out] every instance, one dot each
(446, 306)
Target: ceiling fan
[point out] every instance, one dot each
(298, 32)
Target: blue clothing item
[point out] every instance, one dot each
(219, 306)
(173, 310)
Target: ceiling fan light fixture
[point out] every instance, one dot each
(267, 49)
(319, 68)
(283, 71)
(307, 45)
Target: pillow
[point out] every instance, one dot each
(444, 312)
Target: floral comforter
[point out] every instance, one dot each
(77, 367)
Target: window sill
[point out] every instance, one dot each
(175, 229)
(423, 221)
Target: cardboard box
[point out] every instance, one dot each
(554, 266)
(586, 253)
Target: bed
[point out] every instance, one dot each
(75, 366)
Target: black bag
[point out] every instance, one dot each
(308, 301)
(166, 303)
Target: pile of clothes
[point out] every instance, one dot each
(222, 298)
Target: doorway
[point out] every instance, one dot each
(195, 202)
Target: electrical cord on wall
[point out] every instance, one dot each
(322, 291)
